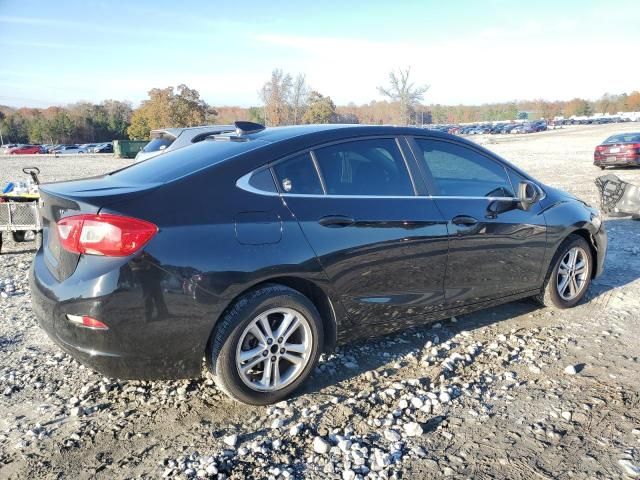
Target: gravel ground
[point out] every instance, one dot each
(516, 392)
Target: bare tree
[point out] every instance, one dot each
(276, 95)
(402, 91)
(299, 98)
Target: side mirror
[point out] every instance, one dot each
(528, 194)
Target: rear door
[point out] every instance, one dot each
(383, 247)
(496, 248)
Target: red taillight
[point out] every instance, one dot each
(87, 322)
(106, 234)
(600, 148)
(634, 147)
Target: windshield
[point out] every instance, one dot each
(183, 161)
(623, 138)
(161, 142)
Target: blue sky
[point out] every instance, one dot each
(57, 52)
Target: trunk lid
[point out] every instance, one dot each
(64, 199)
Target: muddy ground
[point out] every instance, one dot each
(488, 395)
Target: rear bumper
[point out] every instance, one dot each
(168, 344)
(617, 161)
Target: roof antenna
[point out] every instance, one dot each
(244, 128)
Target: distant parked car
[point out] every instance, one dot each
(104, 148)
(169, 139)
(66, 149)
(25, 150)
(618, 150)
(87, 147)
(8, 146)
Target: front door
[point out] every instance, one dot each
(383, 248)
(496, 248)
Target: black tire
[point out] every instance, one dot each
(549, 295)
(228, 332)
(21, 236)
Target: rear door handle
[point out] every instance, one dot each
(336, 221)
(464, 220)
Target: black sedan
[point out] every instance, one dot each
(260, 249)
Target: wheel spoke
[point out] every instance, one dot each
(286, 321)
(249, 355)
(292, 328)
(295, 347)
(573, 255)
(266, 374)
(276, 373)
(563, 269)
(256, 332)
(292, 358)
(264, 323)
(248, 366)
(562, 286)
(573, 287)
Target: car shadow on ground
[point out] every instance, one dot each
(402, 343)
(622, 263)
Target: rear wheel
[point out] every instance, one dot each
(266, 345)
(24, 236)
(569, 274)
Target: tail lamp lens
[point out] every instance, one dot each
(106, 234)
(87, 322)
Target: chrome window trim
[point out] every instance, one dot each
(243, 183)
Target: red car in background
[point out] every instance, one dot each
(25, 150)
(620, 150)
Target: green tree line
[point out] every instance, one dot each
(78, 123)
(286, 100)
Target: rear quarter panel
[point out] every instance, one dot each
(197, 255)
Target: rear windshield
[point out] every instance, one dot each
(623, 138)
(183, 161)
(159, 143)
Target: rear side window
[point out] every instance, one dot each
(364, 167)
(159, 143)
(462, 172)
(263, 181)
(183, 161)
(298, 175)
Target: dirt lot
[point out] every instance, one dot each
(487, 395)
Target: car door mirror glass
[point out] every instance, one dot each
(528, 194)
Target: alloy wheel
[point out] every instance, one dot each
(572, 273)
(274, 349)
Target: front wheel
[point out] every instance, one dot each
(266, 345)
(569, 274)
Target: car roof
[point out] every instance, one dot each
(327, 132)
(176, 131)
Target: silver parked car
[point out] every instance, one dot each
(169, 139)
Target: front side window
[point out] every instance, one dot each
(298, 175)
(462, 172)
(364, 167)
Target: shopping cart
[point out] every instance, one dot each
(19, 213)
